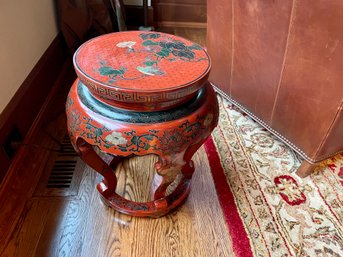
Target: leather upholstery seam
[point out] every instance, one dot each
(340, 108)
(274, 132)
(291, 19)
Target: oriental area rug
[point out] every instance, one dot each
(269, 210)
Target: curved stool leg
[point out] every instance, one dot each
(169, 171)
(107, 187)
(115, 161)
(89, 156)
(168, 167)
(188, 168)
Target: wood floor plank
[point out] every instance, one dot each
(197, 35)
(62, 235)
(52, 231)
(71, 229)
(196, 229)
(28, 229)
(84, 226)
(135, 176)
(204, 197)
(28, 165)
(17, 189)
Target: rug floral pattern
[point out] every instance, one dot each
(282, 214)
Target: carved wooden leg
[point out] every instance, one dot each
(168, 167)
(188, 168)
(115, 161)
(169, 171)
(168, 175)
(305, 169)
(161, 205)
(89, 156)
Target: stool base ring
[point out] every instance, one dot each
(162, 203)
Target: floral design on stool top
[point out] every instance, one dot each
(141, 62)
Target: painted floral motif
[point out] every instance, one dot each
(116, 138)
(75, 119)
(123, 203)
(113, 74)
(149, 70)
(128, 44)
(159, 47)
(167, 141)
(208, 120)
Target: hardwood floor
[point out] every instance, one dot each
(82, 225)
(76, 223)
(197, 35)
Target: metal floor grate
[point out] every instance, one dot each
(67, 148)
(63, 170)
(63, 173)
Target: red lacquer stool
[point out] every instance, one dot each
(140, 93)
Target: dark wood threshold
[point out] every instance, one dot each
(135, 16)
(180, 13)
(180, 24)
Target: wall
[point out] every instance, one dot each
(27, 28)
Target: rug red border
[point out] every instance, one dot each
(240, 240)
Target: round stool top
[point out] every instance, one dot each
(135, 66)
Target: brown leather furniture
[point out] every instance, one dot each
(282, 62)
